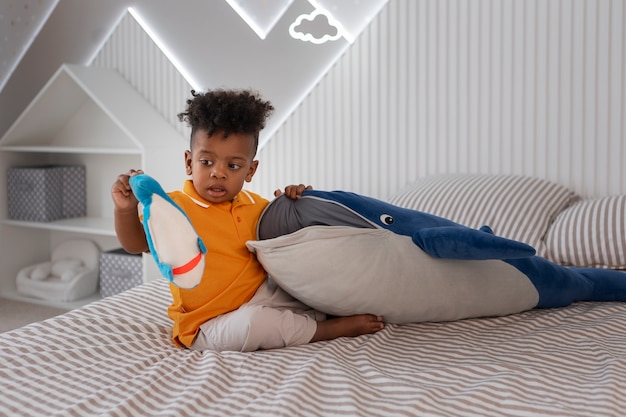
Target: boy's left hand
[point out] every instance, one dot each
(293, 191)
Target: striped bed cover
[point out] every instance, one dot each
(114, 358)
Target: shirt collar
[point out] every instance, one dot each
(242, 198)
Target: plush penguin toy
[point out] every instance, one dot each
(173, 242)
(345, 253)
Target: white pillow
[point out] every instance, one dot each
(70, 274)
(63, 266)
(344, 270)
(41, 271)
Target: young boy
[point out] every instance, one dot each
(235, 306)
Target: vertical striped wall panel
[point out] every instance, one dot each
(130, 51)
(484, 86)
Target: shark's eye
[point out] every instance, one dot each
(386, 219)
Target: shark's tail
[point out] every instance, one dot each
(559, 286)
(608, 285)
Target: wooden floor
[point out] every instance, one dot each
(14, 314)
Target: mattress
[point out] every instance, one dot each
(114, 357)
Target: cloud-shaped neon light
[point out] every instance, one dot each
(308, 37)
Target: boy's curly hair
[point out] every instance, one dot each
(230, 111)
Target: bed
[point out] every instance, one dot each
(114, 356)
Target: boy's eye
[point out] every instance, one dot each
(205, 162)
(234, 166)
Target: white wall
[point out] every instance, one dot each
(440, 86)
(131, 52)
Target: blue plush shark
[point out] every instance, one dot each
(447, 271)
(440, 238)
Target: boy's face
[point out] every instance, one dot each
(219, 166)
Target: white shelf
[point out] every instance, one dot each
(68, 305)
(92, 117)
(100, 226)
(71, 150)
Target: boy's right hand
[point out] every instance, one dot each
(123, 197)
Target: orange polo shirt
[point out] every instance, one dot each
(232, 274)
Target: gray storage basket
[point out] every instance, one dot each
(46, 193)
(119, 271)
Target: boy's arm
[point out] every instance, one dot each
(130, 231)
(128, 227)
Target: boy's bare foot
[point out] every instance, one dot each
(349, 326)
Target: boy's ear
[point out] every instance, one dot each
(253, 167)
(188, 162)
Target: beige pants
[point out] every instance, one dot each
(271, 319)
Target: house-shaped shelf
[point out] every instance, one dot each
(93, 116)
(89, 116)
(89, 110)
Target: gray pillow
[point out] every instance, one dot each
(514, 206)
(590, 233)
